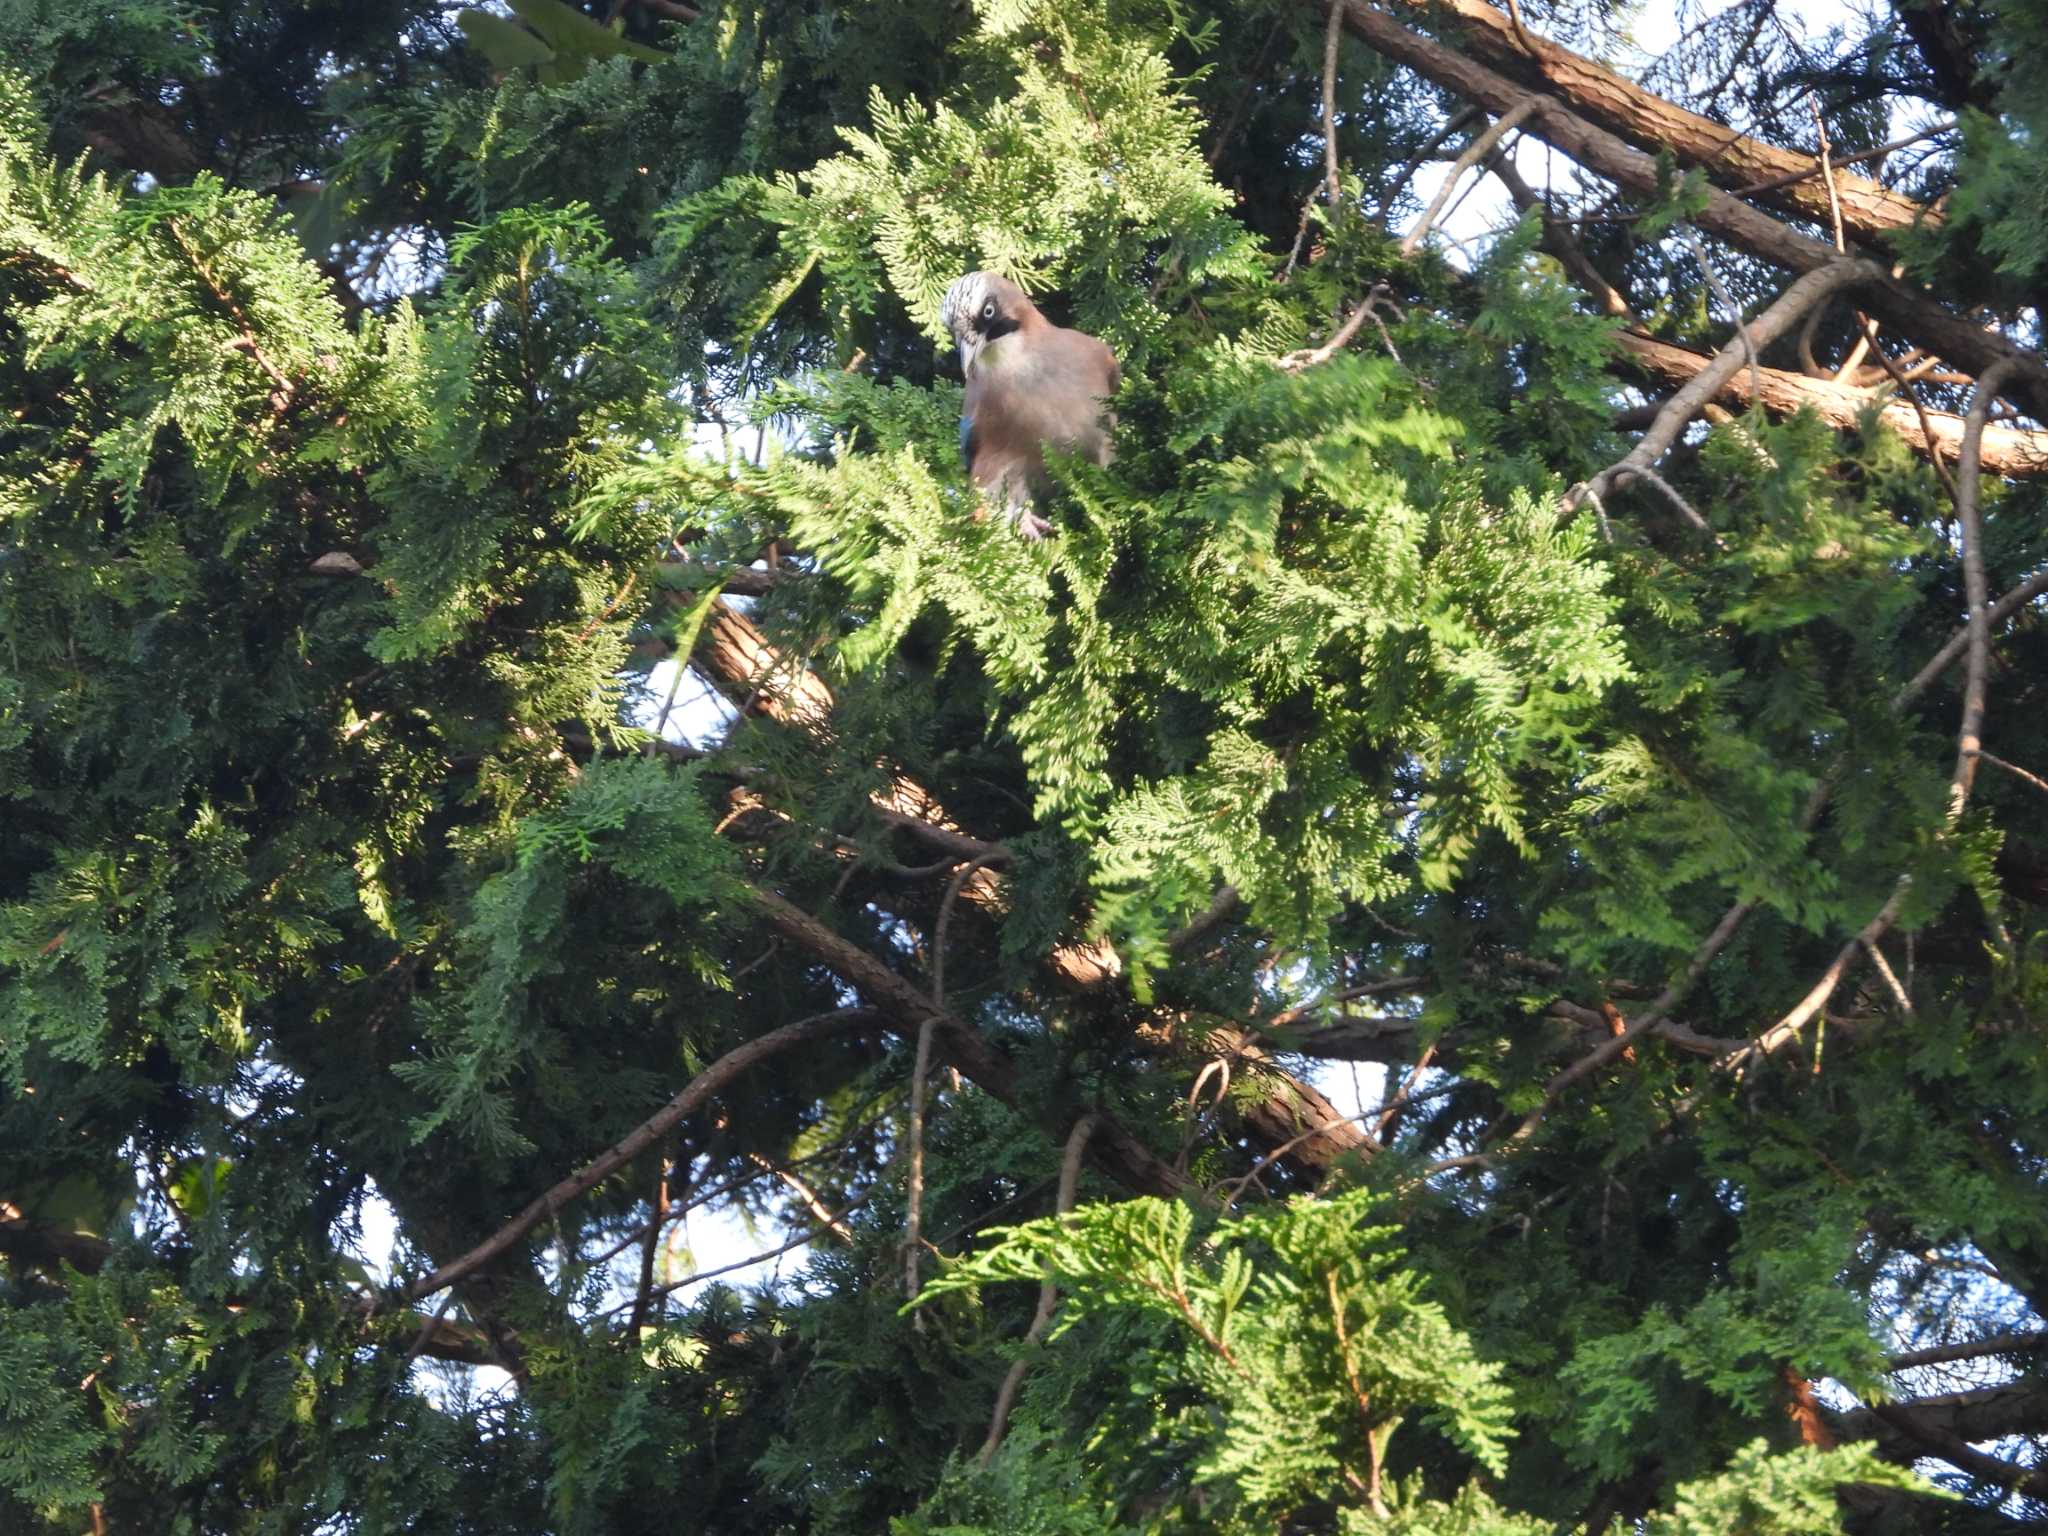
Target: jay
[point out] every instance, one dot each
(1029, 383)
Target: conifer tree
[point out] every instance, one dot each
(513, 725)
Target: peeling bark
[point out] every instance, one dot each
(2007, 450)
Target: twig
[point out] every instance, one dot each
(282, 389)
(1476, 151)
(1560, 240)
(914, 1181)
(2015, 770)
(1368, 309)
(946, 903)
(1732, 919)
(1393, 1106)
(1912, 397)
(1777, 182)
(1977, 662)
(1756, 367)
(1244, 98)
(805, 1193)
(1685, 508)
(1827, 170)
(1251, 1174)
(1452, 125)
(703, 1197)
(1358, 1394)
(1048, 1293)
(1891, 980)
(1384, 987)
(2021, 595)
(1969, 742)
(1308, 207)
(1522, 34)
(1220, 1067)
(1332, 184)
(427, 1331)
(809, 1235)
(610, 608)
(650, 1245)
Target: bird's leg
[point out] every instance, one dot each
(1029, 525)
(1018, 510)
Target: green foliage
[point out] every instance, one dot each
(385, 393)
(1790, 1493)
(1297, 1344)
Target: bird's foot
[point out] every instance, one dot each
(1030, 526)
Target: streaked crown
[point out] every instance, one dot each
(965, 298)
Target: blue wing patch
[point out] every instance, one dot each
(967, 441)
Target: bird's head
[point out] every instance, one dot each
(980, 308)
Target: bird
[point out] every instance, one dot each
(1029, 383)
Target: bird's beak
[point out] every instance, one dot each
(970, 352)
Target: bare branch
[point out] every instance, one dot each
(803, 1191)
(913, 1199)
(1048, 1292)
(1778, 318)
(2015, 770)
(1970, 1349)
(1121, 1155)
(1332, 187)
(1977, 660)
(693, 1097)
(1480, 147)
(1368, 309)
(1968, 735)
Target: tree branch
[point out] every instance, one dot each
(1903, 309)
(1048, 1292)
(1121, 1155)
(693, 1097)
(1783, 177)
(1970, 1349)
(1779, 317)
(1936, 434)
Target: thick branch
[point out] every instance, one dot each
(2006, 451)
(1945, 1426)
(1870, 210)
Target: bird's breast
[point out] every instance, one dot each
(1042, 397)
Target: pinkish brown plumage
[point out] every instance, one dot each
(1029, 383)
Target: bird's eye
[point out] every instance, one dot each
(988, 310)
